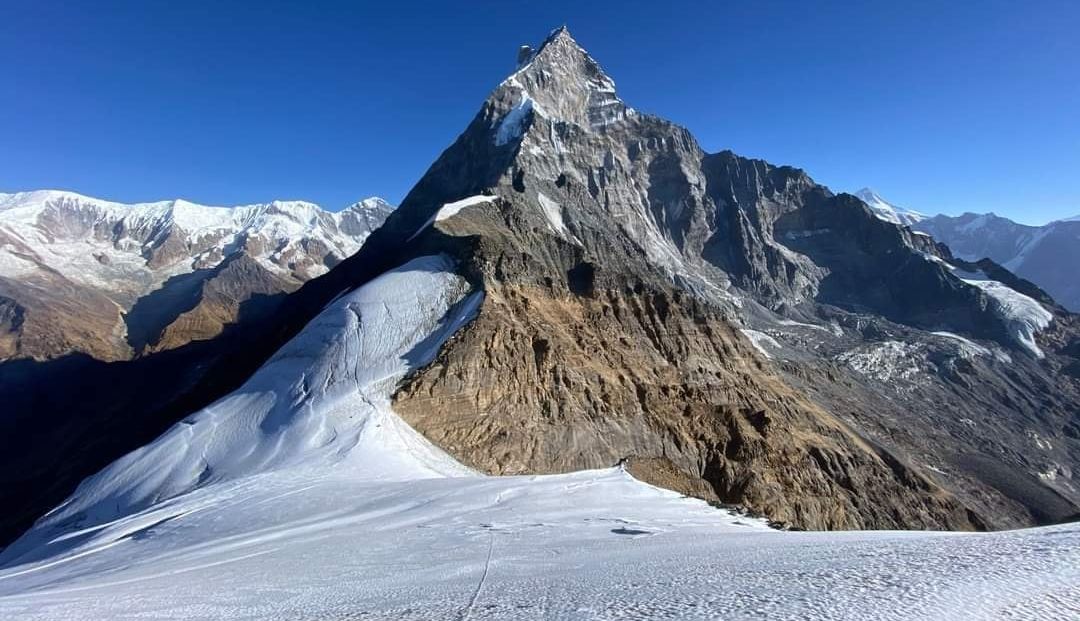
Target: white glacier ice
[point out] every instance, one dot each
(1023, 315)
(512, 124)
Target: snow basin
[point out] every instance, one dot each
(304, 496)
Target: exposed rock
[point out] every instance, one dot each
(609, 208)
(239, 284)
(546, 381)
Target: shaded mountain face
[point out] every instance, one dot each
(1045, 255)
(112, 280)
(730, 328)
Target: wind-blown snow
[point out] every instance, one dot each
(302, 495)
(321, 402)
(589, 545)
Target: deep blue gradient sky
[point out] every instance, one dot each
(940, 106)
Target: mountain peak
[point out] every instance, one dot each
(559, 81)
(887, 211)
(868, 194)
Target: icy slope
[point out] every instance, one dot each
(320, 403)
(303, 496)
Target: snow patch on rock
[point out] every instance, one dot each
(888, 212)
(449, 210)
(553, 214)
(513, 123)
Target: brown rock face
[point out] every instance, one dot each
(47, 312)
(239, 289)
(572, 368)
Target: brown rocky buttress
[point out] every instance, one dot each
(569, 367)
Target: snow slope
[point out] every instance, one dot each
(587, 545)
(1045, 254)
(303, 496)
(320, 403)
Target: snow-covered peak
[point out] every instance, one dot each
(371, 203)
(887, 211)
(285, 218)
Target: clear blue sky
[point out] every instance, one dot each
(940, 106)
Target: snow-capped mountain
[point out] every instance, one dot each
(574, 294)
(107, 279)
(1045, 255)
(1042, 254)
(887, 211)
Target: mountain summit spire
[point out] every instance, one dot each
(560, 81)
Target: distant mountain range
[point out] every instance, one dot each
(1046, 255)
(80, 274)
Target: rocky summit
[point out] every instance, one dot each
(722, 326)
(729, 327)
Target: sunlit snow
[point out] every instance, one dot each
(304, 496)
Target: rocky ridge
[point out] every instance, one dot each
(113, 280)
(612, 231)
